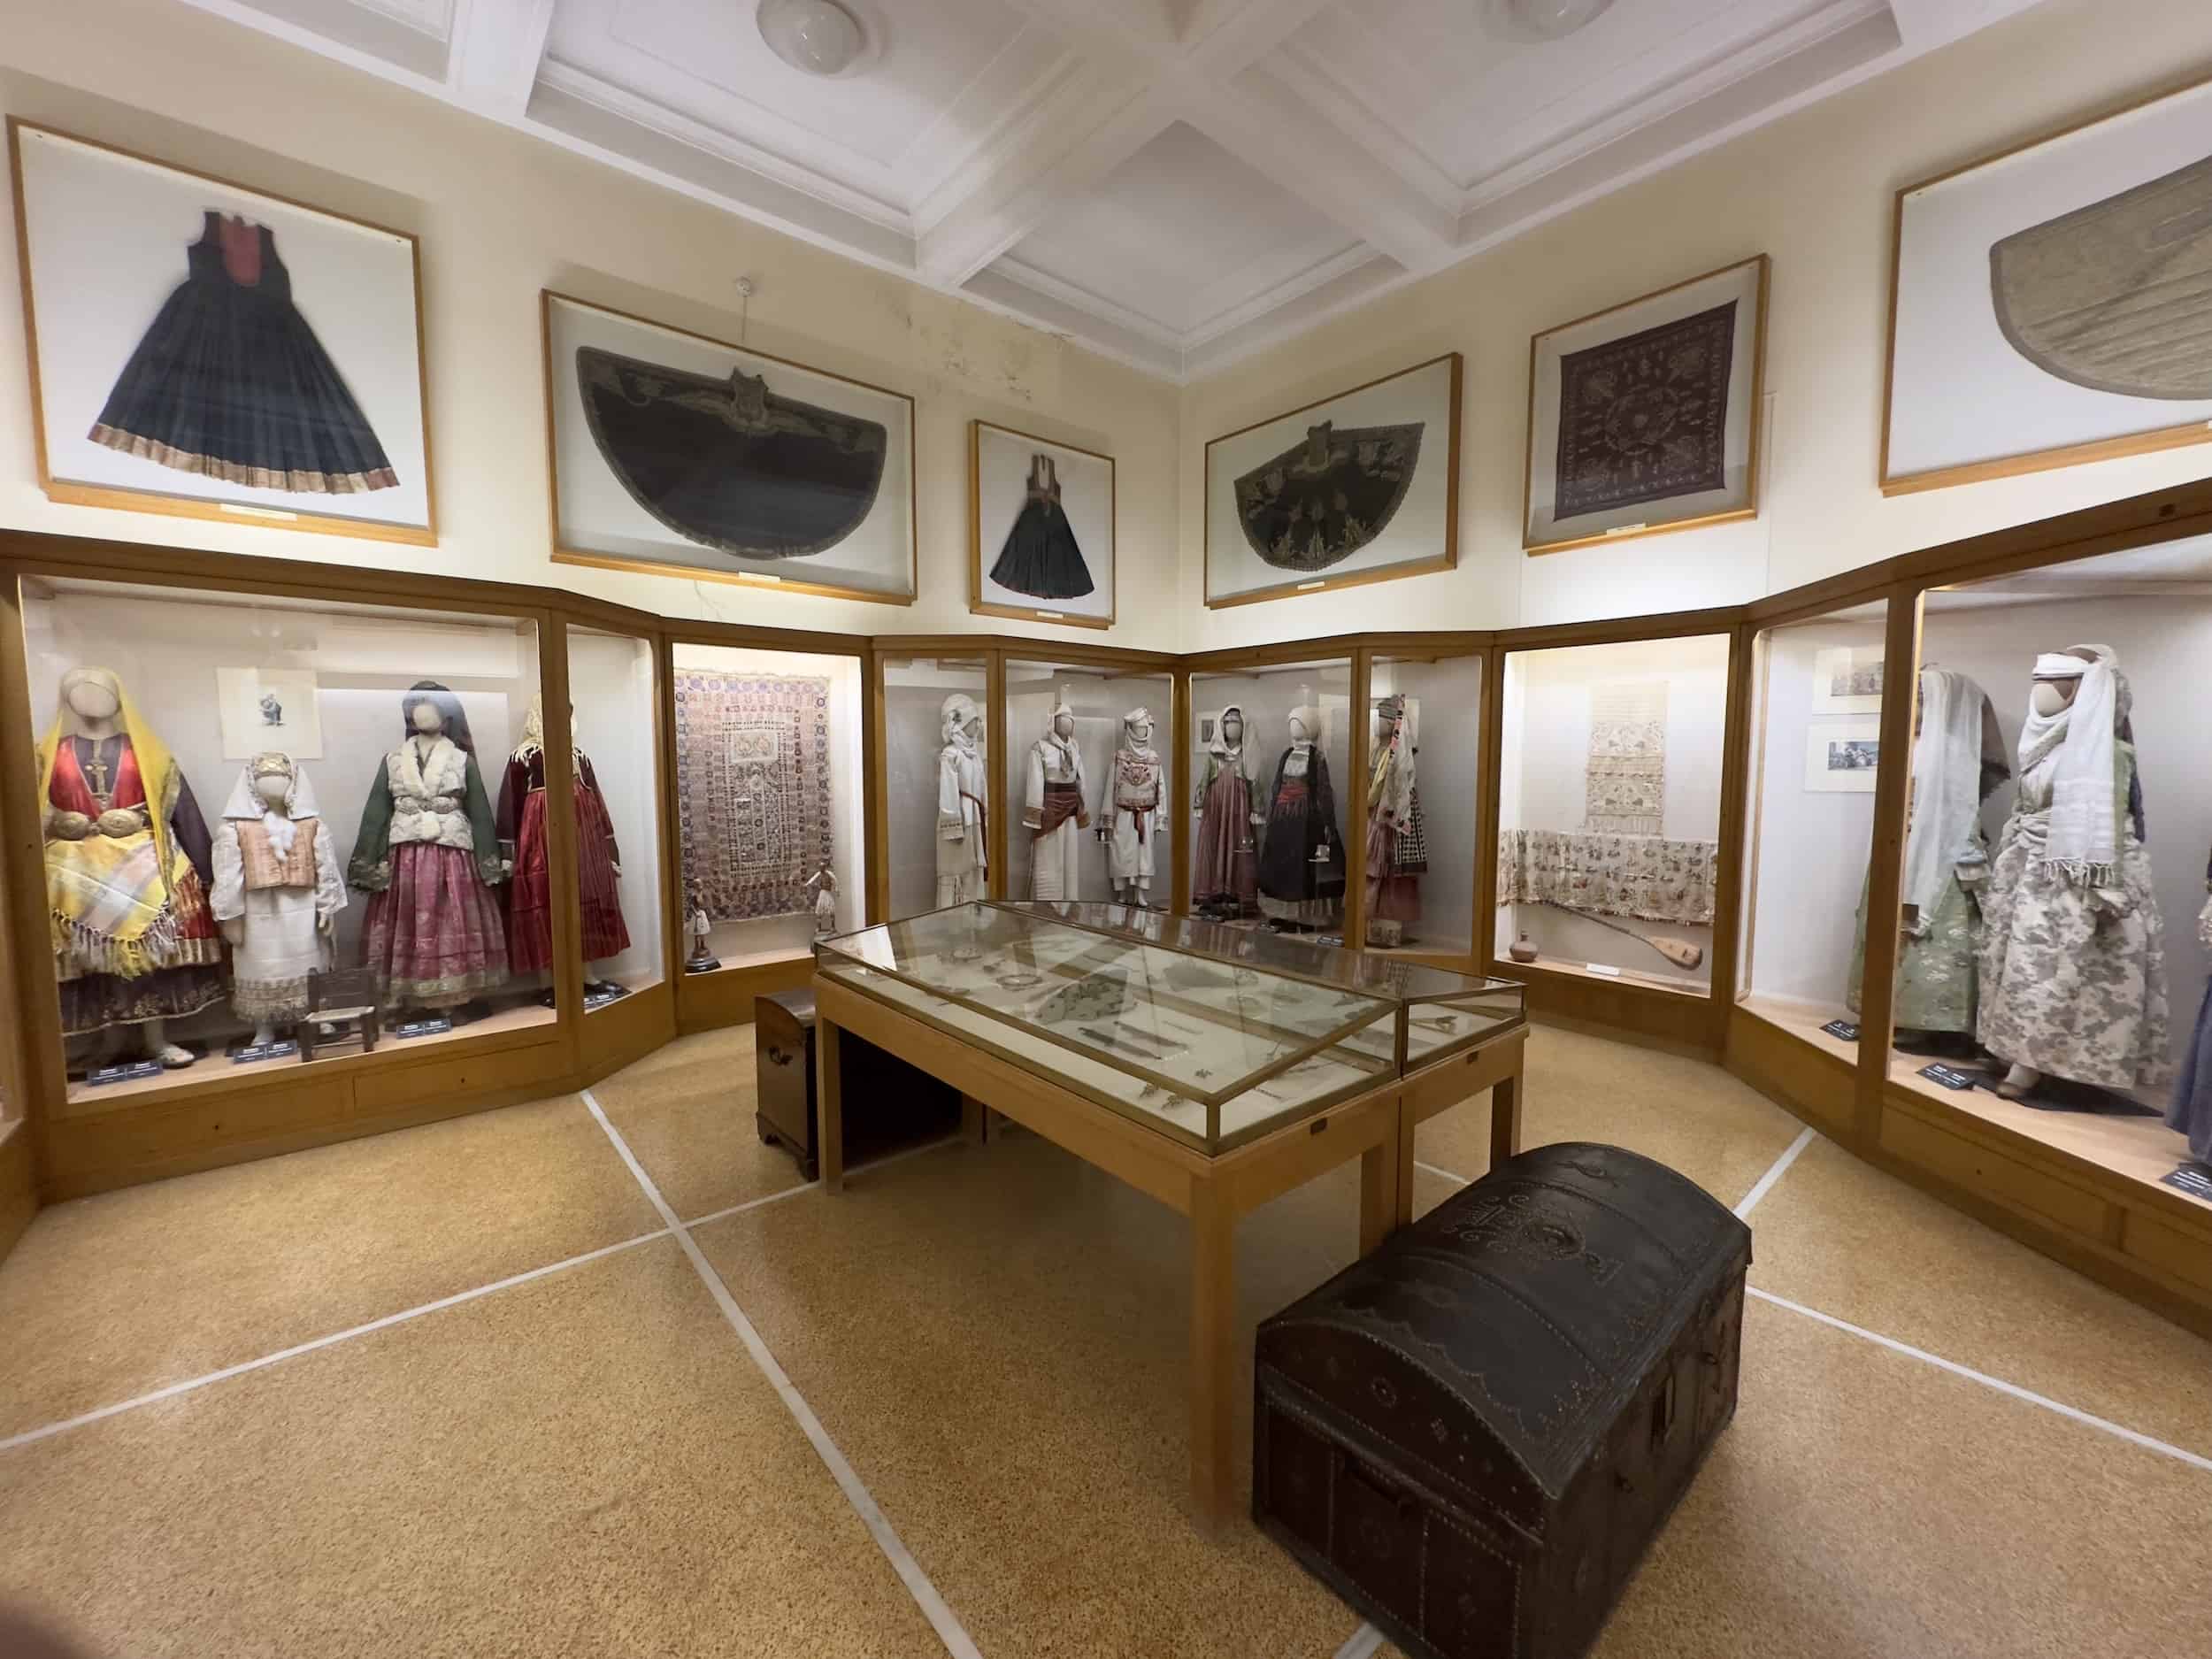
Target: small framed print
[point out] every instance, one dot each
(262, 709)
(206, 350)
(1040, 528)
(1645, 418)
(1848, 679)
(1843, 756)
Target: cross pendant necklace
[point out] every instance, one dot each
(98, 768)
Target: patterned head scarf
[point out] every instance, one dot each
(533, 727)
(1221, 745)
(157, 770)
(2086, 803)
(283, 819)
(449, 710)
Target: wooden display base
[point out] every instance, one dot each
(1377, 1128)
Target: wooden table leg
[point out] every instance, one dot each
(1212, 1352)
(1381, 1203)
(975, 1120)
(1505, 1118)
(830, 1109)
(1401, 1150)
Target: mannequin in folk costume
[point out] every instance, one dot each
(2073, 953)
(963, 855)
(2191, 1112)
(1397, 850)
(428, 857)
(127, 862)
(520, 823)
(1301, 860)
(1053, 809)
(1225, 880)
(1958, 761)
(277, 892)
(823, 885)
(1129, 809)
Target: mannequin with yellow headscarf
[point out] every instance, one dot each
(128, 858)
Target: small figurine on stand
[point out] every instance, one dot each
(823, 885)
(701, 959)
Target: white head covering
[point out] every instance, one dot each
(1309, 717)
(2085, 797)
(299, 799)
(1221, 745)
(1136, 716)
(1946, 783)
(954, 718)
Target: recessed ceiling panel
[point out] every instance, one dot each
(1180, 233)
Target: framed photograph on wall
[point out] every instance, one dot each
(2048, 303)
(1843, 756)
(1848, 679)
(1040, 528)
(1359, 487)
(262, 709)
(685, 456)
(1645, 418)
(203, 349)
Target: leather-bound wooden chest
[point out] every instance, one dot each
(888, 1104)
(1472, 1435)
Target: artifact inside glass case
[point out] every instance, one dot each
(1084, 782)
(342, 745)
(1816, 705)
(1421, 802)
(1609, 807)
(768, 790)
(614, 696)
(1272, 748)
(937, 805)
(1210, 1034)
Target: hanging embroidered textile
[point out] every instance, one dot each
(752, 791)
(1645, 418)
(1325, 499)
(1627, 774)
(1644, 876)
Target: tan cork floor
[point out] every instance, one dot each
(462, 1390)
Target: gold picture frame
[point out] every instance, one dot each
(1044, 610)
(1323, 580)
(2168, 436)
(566, 552)
(1757, 271)
(173, 503)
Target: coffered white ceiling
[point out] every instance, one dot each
(1175, 182)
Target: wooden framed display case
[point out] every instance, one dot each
(1212, 1067)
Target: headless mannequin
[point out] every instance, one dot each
(271, 788)
(98, 711)
(2047, 697)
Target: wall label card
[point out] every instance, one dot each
(2192, 1178)
(122, 1072)
(281, 1048)
(1950, 1076)
(1842, 1029)
(429, 1025)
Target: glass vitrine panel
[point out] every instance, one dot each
(1609, 808)
(614, 688)
(770, 807)
(936, 739)
(1424, 785)
(1088, 783)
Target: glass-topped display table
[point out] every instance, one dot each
(1212, 1067)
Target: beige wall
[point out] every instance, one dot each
(502, 216)
(1813, 192)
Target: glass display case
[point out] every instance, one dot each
(1609, 808)
(1089, 779)
(1817, 702)
(1421, 801)
(937, 798)
(1270, 784)
(614, 692)
(1210, 1034)
(2055, 937)
(239, 795)
(770, 810)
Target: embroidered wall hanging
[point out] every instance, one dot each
(1323, 500)
(1645, 418)
(1626, 786)
(752, 791)
(1644, 876)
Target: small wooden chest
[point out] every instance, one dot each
(888, 1104)
(1473, 1434)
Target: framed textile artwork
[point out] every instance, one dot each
(203, 349)
(752, 791)
(1645, 418)
(1040, 528)
(2047, 304)
(1843, 756)
(1357, 488)
(686, 455)
(262, 709)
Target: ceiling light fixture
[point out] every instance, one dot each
(816, 37)
(1539, 20)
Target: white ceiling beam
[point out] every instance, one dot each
(492, 64)
(1268, 128)
(1247, 35)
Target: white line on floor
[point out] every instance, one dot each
(934, 1608)
(1765, 1183)
(1361, 1644)
(454, 1301)
(807, 1186)
(1986, 1380)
